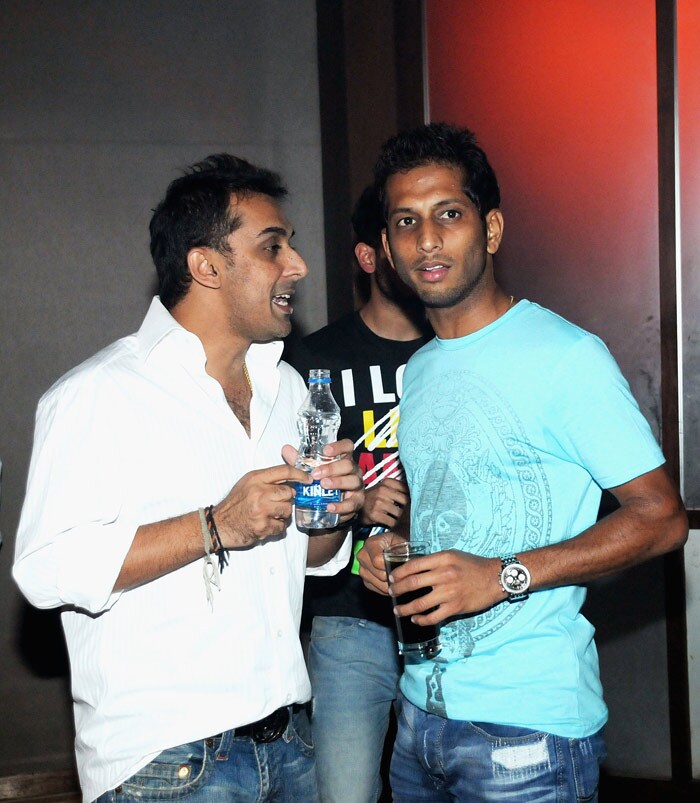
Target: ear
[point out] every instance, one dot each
(494, 230)
(366, 257)
(202, 268)
(387, 249)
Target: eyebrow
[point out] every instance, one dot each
(276, 230)
(445, 202)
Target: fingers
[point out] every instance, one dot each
(454, 582)
(259, 506)
(344, 475)
(289, 454)
(372, 565)
(371, 560)
(373, 577)
(427, 609)
(398, 488)
(348, 506)
(415, 569)
(343, 448)
(281, 473)
(384, 503)
(337, 469)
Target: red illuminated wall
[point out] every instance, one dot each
(562, 96)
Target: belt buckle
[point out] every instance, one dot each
(271, 727)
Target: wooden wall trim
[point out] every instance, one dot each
(409, 21)
(370, 62)
(674, 570)
(334, 154)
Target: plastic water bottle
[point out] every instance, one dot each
(318, 421)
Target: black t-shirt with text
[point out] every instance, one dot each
(366, 382)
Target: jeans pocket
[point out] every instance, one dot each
(506, 733)
(301, 728)
(175, 772)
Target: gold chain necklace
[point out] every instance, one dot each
(247, 375)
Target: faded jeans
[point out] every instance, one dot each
(228, 769)
(440, 760)
(354, 667)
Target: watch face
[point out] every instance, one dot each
(515, 578)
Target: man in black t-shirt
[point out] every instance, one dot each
(353, 657)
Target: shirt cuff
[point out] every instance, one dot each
(336, 563)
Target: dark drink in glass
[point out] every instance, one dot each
(421, 640)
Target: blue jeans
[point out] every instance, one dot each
(228, 769)
(354, 667)
(440, 760)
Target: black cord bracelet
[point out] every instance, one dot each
(217, 546)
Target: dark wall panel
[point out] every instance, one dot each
(689, 162)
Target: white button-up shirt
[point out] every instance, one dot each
(137, 434)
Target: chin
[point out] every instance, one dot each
(437, 302)
(283, 331)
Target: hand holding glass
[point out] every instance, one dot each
(421, 640)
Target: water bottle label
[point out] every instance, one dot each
(314, 495)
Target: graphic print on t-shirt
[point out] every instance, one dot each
(375, 449)
(477, 485)
(375, 427)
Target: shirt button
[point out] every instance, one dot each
(279, 634)
(183, 772)
(272, 570)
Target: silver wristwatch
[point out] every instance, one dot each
(514, 579)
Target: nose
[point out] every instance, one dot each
(296, 266)
(429, 238)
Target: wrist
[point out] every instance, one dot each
(514, 578)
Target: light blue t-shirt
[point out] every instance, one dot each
(507, 436)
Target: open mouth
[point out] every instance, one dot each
(283, 301)
(433, 272)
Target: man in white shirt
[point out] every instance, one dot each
(159, 514)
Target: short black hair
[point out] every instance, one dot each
(368, 218)
(367, 224)
(196, 213)
(442, 144)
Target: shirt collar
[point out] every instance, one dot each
(156, 326)
(159, 324)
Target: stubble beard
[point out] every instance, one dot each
(435, 298)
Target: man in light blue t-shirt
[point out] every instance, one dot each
(512, 421)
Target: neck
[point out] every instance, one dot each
(225, 350)
(473, 314)
(393, 322)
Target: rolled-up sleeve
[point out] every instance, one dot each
(72, 537)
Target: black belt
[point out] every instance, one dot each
(267, 729)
